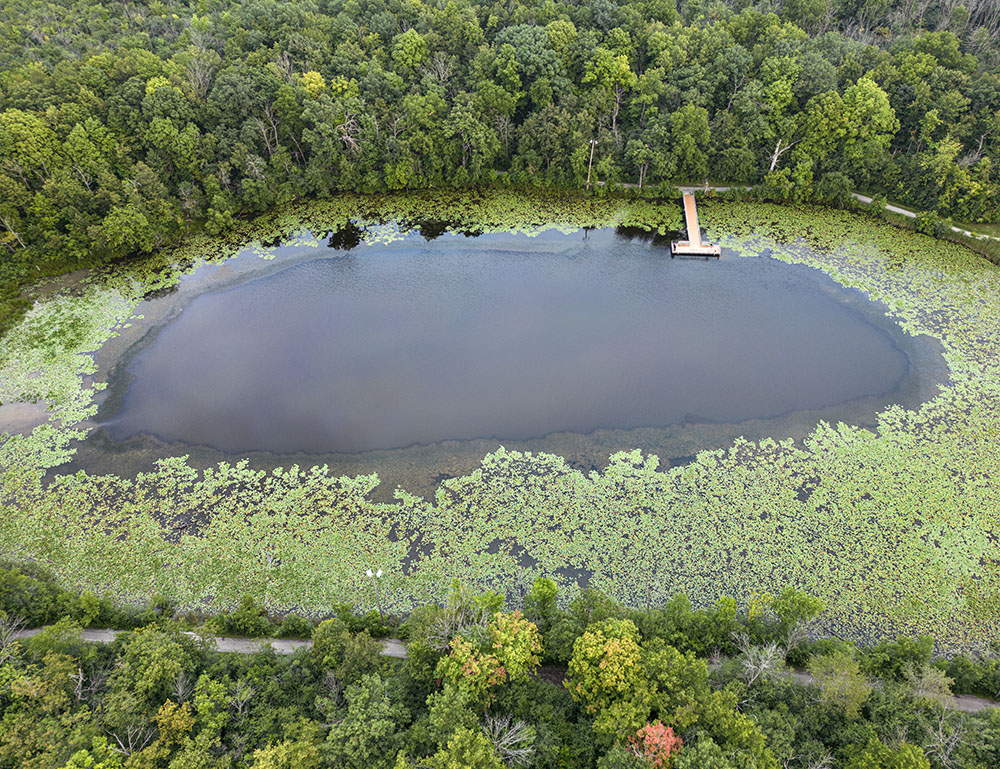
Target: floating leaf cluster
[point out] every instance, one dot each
(895, 528)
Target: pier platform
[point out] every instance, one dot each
(693, 246)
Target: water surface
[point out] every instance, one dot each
(501, 336)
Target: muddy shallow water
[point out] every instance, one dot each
(416, 358)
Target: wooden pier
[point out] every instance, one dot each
(693, 245)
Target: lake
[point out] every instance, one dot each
(502, 336)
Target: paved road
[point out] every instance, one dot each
(393, 647)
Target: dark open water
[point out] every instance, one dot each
(500, 336)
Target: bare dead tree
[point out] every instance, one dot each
(78, 679)
(125, 10)
(333, 685)
(328, 707)
(87, 685)
(618, 98)
(15, 169)
(860, 30)
(823, 761)
(200, 71)
(511, 739)
(238, 745)
(780, 149)
(762, 662)
(414, 764)
(942, 738)
(285, 67)
(398, 126)
(348, 132)
(255, 166)
(183, 687)
(796, 636)
(268, 126)
(929, 684)
(643, 168)
(909, 14)
(132, 738)
(10, 628)
(758, 662)
(739, 80)
(976, 154)
(439, 67)
(982, 13)
(240, 695)
(505, 129)
(896, 735)
(199, 39)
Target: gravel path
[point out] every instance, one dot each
(912, 215)
(393, 647)
(856, 195)
(864, 199)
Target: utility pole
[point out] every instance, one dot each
(593, 143)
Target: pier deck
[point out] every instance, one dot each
(693, 244)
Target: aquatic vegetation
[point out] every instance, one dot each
(895, 528)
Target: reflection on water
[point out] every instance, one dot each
(500, 336)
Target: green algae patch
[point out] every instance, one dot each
(895, 528)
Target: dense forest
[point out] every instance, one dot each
(482, 687)
(123, 125)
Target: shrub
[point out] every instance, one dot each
(930, 223)
(372, 622)
(294, 626)
(362, 656)
(930, 684)
(160, 609)
(893, 660)
(801, 654)
(834, 189)
(687, 629)
(329, 642)
(62, 638)
(978, 677)
(540, 603)
(840, 681)
(248, 620)
(30, 594)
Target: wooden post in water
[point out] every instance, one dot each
(693, 244)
